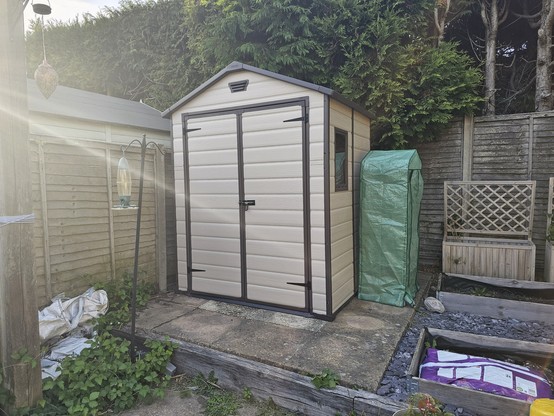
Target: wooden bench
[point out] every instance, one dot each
(487, 229)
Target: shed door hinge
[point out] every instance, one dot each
(307, 285)
(304, 118)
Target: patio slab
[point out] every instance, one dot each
(357, 345)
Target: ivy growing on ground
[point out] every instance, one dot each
(103, 378)
(119, 295)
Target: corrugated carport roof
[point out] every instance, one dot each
(85, 105)
(238, 66)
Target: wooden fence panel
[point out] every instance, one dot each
(542, 169)
(80, 239)
(442, 160)
(171, 223)
(500, 148)
(508, 147)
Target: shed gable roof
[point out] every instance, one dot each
(238, 66)
(90, 106)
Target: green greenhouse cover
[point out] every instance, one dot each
(391, 187)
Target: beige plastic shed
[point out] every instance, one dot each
(266, 168)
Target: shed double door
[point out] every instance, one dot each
(248, 231)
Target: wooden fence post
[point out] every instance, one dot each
(159, 192)
(467, 148)
(18, 303)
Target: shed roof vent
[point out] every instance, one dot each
(238, 86)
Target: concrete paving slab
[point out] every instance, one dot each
(163, 310)
(356, 358)
(264, 342)
(199, 326)
(357, 345)
(278, 318)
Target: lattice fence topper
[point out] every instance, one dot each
(502, 208)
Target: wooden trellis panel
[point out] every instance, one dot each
(502, 208)
(488, 228)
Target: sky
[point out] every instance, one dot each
(65, 10)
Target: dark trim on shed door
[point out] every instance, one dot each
(307, 210)
(187, 202)
(303, 102)
(327, 205)
(355, 186)
(242, 216)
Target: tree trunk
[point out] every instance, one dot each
(543, 91)
(493, 14)
(442, 7)
(489, 15)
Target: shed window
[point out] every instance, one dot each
(341, 160)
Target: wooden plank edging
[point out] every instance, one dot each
(496, 308)
(287, 389)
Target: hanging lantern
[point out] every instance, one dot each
(46, 78)
(124, 183)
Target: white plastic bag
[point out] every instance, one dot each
(63, 316)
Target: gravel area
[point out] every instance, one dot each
(394, 383)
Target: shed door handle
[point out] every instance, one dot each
(247, 202)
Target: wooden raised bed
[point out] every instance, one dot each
(497, 307)
(487, 229)
(484, 404)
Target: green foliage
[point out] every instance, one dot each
(119, 295)
(222, 403)
(424, 404)
(276, 35)
(377, 52)
(136, 51)
(390, 67)
(103, 378)
(327, 379)
(6, 396)
(247, 394)
(219, 402)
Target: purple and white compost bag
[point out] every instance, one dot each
(484, 374)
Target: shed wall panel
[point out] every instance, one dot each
(342, 254)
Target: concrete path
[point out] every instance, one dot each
(357, 345)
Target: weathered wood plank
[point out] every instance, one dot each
(514, 284)
(286, 388)
(496, 308)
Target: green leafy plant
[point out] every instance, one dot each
(103, 378)
(119, 294)
(247, 394)
(219, 402)
(6, 396)
(480, 291)
(327, 379)
(424, 404)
